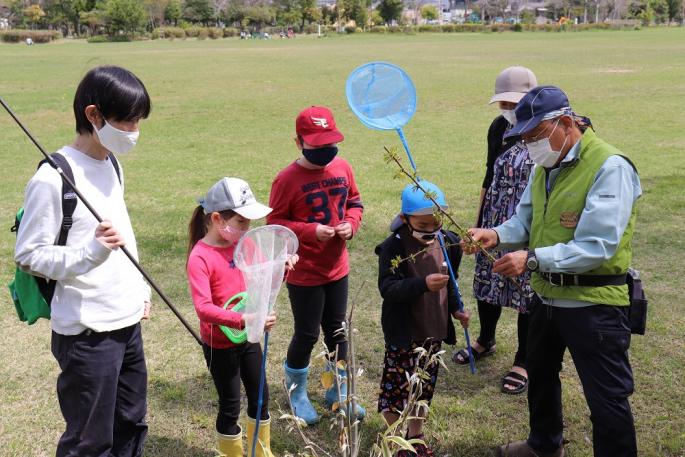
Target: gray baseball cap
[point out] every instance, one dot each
(512, 84)
(234, 194)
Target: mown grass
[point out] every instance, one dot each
(227, 107)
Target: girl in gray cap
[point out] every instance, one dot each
(220, 220)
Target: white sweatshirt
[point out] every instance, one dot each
(97, 288)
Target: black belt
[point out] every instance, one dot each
(561, 279)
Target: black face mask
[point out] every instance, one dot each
(320, 156)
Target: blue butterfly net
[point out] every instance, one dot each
(381, 95)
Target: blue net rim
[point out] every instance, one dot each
(348, 90)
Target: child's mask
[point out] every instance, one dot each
(231, 234)
(115, 140)
(424, 237)
(320, 156)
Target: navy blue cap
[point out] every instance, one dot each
(540, 104)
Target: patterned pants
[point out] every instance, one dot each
(400, 363)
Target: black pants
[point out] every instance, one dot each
(313, 308)
(598, 338)
(489, 316)
(102, 392)
(228, 367)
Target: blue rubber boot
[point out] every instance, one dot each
(332, 393)
(298, 397)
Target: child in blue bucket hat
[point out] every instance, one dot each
(418, 304)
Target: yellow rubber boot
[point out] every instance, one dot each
(230, 445)
(263, 448)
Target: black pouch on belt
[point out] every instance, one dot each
(638, 302)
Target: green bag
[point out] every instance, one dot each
(28, 298)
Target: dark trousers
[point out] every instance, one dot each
(102, 392)
(228, 367)
(598, 338)
(489, 315)
(313, 308)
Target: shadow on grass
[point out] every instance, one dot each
(195, 398)
(190, 394)
(460, 383)
(459, 450)
(162, 446)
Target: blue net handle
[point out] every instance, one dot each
(406, 148)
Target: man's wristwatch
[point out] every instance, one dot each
(532, 261)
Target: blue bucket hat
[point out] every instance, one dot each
(416, 203)
(540, 104)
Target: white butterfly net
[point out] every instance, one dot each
(261, 255)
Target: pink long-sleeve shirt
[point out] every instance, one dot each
(214, 279)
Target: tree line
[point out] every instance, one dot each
(91, 17)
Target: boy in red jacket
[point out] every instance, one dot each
(316, 196)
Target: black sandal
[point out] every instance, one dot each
(462, 356)
(515, 380)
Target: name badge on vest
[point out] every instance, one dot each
(569, 219)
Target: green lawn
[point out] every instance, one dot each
(227, 107)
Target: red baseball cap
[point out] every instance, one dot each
(316, 126)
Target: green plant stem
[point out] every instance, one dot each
(461, 231)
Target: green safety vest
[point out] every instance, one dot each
(555, 217)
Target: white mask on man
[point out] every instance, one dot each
(509, 115)
(541, 152)
(115, 140)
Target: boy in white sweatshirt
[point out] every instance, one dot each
(99, 296)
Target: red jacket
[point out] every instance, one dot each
(302, 199)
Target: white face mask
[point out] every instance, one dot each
(541, 152)
(424, 237)
(115, 140)
(509, 115)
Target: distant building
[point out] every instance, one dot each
(537, 7)
(459, 11)
(4, 14)
(449, 11)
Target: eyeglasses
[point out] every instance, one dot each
(535, 138)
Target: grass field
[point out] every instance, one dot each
(227, 107)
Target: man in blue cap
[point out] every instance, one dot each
(577, 218)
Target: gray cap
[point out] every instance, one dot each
(234, 194)
(512, 84)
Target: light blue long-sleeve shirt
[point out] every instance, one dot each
(607, 211)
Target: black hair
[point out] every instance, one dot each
(116, 92)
